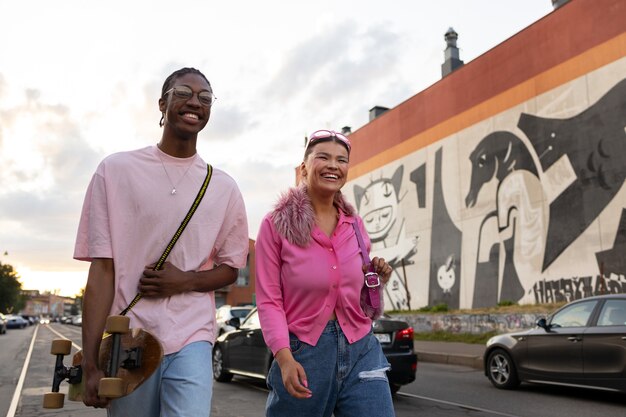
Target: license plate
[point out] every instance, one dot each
(383, 337)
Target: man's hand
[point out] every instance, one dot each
(92, 378)
(163, 283)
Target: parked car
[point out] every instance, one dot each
(227, 312)
(16, 322)
(244, 352)
(581, 344)
(3, 324)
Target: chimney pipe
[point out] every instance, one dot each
(377, 111)
(558, 3)
(451, 53)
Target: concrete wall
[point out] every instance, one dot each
(471, 323)
(504, 181)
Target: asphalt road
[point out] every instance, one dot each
(440, 390)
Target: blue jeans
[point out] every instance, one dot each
(182, 386)
(348, 380)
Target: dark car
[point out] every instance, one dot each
(581, 344)
(244, 352)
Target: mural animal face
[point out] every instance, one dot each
(378, 204)
(498, 154)
(484, 164)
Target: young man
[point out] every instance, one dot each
(134, 204)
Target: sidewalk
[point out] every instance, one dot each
(452, 353)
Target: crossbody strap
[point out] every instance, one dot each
(372, 280)
(179, 232)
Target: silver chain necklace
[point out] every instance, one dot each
(173, 192)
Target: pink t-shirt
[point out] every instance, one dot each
(130, 215)
(299, 288)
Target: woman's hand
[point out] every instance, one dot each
(294, 377)
(382, 268)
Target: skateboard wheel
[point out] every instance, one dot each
(117, 324)
(61, 347)
(53, 400)
(111, 387)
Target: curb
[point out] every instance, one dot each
(471, 361)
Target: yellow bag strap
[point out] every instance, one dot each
(179, 232)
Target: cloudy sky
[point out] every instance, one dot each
(81, 79)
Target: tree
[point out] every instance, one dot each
(77, 307)
(11, 299)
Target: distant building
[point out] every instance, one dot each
(243, 290)
(47, 304)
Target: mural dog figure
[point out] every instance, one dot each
(515, 227)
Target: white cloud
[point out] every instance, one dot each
(80, 80)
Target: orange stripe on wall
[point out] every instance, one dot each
(567, 71)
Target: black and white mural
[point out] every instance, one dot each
(528, 206)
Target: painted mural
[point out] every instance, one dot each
(527, 206)
(378, 204)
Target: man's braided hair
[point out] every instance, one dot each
(169, 81)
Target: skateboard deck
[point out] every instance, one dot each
(137, 354)
(133, 342)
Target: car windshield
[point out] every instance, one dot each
(252, 321)
(575, 315)
(241, 313)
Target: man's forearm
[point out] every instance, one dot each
(213, 279)
(97, 303)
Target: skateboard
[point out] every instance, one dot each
(127, 356)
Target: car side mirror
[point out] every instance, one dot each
(542, 322)
(235, 322)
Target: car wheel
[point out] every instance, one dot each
(501, 370)
(218, 366)
(394, 388)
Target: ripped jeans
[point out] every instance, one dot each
(348, 380)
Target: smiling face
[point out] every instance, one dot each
(184, 118)
(325, 168)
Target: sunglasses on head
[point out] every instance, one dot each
(206, 98)
(326, 134)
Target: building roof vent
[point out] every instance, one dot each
(377, 111)
(451, 53)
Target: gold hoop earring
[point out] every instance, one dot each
(161, 123)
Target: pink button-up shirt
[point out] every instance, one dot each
(298, 288)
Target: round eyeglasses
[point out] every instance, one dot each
(206, 98)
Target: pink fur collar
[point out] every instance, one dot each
(294, 217)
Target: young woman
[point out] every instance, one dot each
(309, 275)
